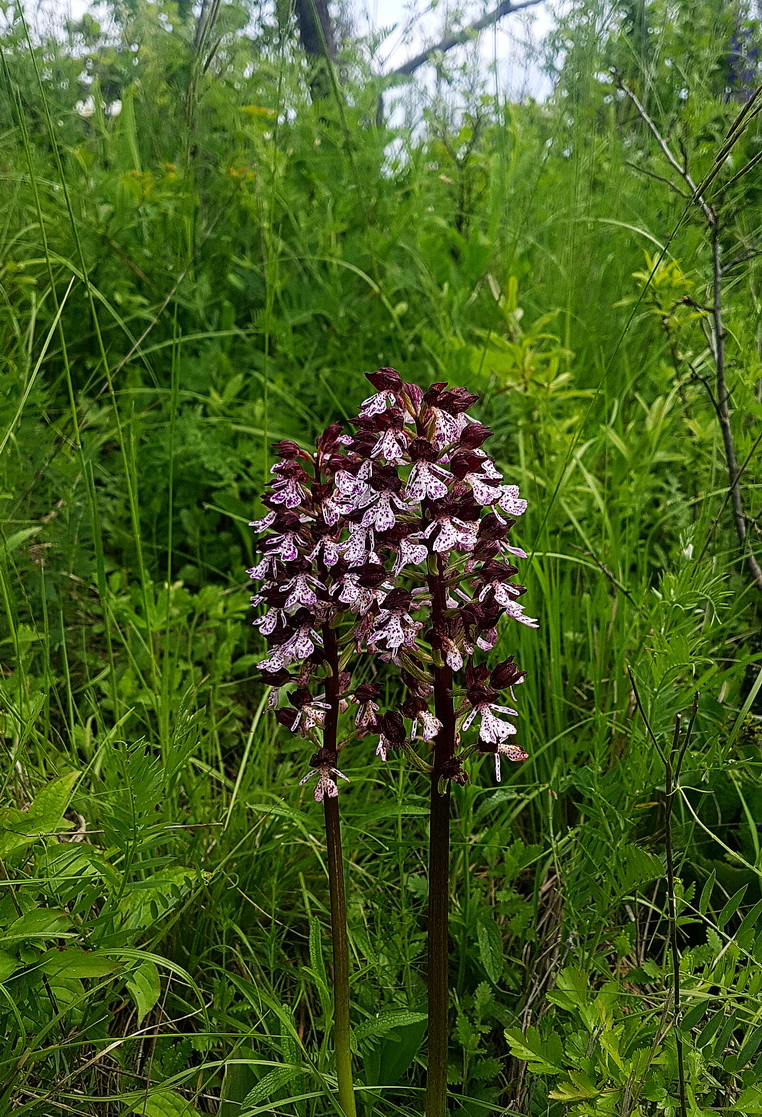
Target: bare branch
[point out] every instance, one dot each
(460, 37)
(659, 178)
(682, 171)
(720, 399)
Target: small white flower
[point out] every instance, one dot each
(510, 502)
(447, 428)
(264, 523)
(491, 728)
(302, 592)
(409, 554)
(430, 725)
(326, 784)
(390, 446)
(376, 404)
(310, 716)
(426, 480)
(451, 532)
(381, 515)
(288, 492)
(269, 622)
(299, 646)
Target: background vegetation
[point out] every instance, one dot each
(213, 267)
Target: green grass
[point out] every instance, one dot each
(183, 284)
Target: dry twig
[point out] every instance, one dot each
(721, 398)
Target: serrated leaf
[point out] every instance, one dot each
(486, 1070)
(484, 999)
(316, 950)
(571, 990)
(490, 949)
(385, 1022)
(579, 1088)
(144, 986)
(273, 1081)
(544, 1056)
(750, 1101)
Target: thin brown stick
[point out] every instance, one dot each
(721, 398)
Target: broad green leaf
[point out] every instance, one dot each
(40, 923)
(45, 815)
(571, 990)
(53, 799)
(579, 1088)
(735, 1063)
(316, 950)
(13, 542)
(750, 1101)
(317, 966)
(9, 963)
(710, 1029)
(68, 992)
(544, 1056)
(163, 1103)
(609, 1041)
(73, 962)
(144, 987)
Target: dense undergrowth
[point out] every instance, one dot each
(213, 268)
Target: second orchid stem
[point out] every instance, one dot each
(439, 871)
(337, 889)
(342, 1048)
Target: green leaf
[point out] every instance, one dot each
(490, 949)
(734, 1064)
(52, 800)
(385, 1022)
(144, 986)
(40, 923)
(694, 1015)
(9, 963)
(579, 1088)
(162, 1103)
(744, 936)
(571, 990)
(317, 966)
(270, 1084)
(720, 1020)
(74, 962)
(731, 907)
(750, 1101)
(13, 542)
(544, 1056)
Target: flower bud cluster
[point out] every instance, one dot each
(393, 545)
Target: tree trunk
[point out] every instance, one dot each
(318, 43)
